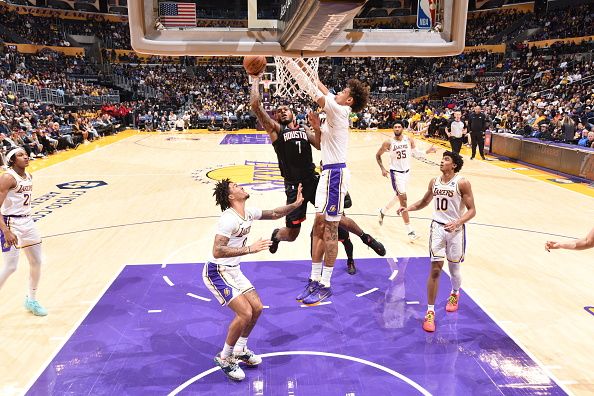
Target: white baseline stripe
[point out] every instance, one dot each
(367, 292)
(167, 280)
(154, 311)
(412, 302)
(197, 296)
(394, 274)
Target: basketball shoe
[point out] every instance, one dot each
(374, 244)
(230, 367)
(274, 247)
(311, 287)
(34, 307)
(351, 269)
(412, 236)
(429, 322)
(320, 294)
(452, 305)
(248, 357)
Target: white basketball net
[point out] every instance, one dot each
(286, 85)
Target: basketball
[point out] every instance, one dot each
(254, 65)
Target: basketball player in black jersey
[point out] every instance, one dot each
(291, 143)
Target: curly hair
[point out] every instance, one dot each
(360, 94)
(456, 159)
(221, 194)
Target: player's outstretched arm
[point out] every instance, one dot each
(272, 127)
(6, 183)
(426, 200)
(580, 244)
(417, 152)
(314, 134)
(221, 250)
(468, 201)
(284, 210)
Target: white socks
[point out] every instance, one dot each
(409, 228)
(240, 345)
(431, 308)
(227, 351)
(326, 275)
(316, 272)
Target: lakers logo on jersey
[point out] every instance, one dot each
(332, 209)
(226, 292)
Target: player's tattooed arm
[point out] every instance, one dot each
(272, 127)
(221, 250)
(284, 210)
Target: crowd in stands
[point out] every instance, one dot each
(541, 92)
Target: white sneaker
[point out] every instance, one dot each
(381, 217)
(230, 367)
(412, 236)
(248, 357)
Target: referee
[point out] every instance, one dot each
(456, 131)
(477, 124)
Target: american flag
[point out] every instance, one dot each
(177, 14)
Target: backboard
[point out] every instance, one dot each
(303, 28)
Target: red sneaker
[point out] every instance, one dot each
(452, 305)
(429, 322)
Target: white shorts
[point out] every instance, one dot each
(25, 230)
(447, 245)
(399, 181)
(332, 188)
(224, 282)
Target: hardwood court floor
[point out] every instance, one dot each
(156, 206)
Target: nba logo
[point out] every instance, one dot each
(226, 292)
(426, 14)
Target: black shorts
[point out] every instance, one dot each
(343, 234)
(296, 217)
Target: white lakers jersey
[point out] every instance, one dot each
(400, 154)
(447, 200)
(335, 134)
(236, 228)
(18, 199)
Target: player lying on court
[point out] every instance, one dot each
(453, 206)
(292, 144)
(223, 277)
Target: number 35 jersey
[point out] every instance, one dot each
(447, 200)
(400, 154)
(18, 199)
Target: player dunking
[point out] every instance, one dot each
(291, 144)
(453, 206)
(223, 277)
(334, 181)
(18, 231)
(401, 147)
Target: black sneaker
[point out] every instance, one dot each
(351, 269)
(374, 244)
(274, 247)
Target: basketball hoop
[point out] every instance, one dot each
(286, 85)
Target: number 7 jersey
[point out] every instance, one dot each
(447, 200)
(18, 199)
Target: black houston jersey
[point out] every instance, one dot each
(294, 154)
